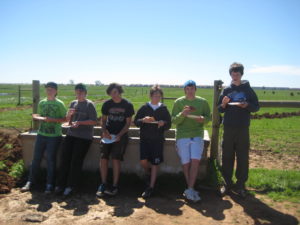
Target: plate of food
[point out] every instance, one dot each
(235, 103)
(109, 141)
(41, 118)
(66, 125)
(193, 116)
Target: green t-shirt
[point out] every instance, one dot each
(53, 109)
(188, 127)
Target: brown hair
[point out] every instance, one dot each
(156, 88)
(113, 86)
(236, 67)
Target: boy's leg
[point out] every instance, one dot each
(51, 150)
(80, 149)
(65, 161)
(242, 154)
(197, 145)
(184, 152)
(39, 149)
(228, 154)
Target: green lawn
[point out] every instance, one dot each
(279, 135)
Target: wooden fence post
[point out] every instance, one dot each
(35, 101)
(19, 94)
(214, 144)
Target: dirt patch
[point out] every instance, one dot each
(10, 153)
(275, 115)
(271, 160)
(22, 107)
(167, 207)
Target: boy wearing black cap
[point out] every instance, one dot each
(236, 102)
(51, 112)
(82, 117)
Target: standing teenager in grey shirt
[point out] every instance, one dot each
(82, 116)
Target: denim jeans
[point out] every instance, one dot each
(49, 145)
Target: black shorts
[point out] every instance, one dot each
(152, 150)
(116, 149)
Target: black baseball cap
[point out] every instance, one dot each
(51, 85)
(81, 87)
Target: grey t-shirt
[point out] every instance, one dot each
(83, 111)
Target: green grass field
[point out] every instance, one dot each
(279, 135)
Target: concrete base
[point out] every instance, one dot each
(131, 163)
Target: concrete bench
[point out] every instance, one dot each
(131, 163)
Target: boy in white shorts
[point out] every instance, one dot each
(189, 114)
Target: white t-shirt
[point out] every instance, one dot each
(155, 107)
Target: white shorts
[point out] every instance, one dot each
(189, 148)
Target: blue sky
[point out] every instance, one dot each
(165, 42)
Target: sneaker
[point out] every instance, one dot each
(196, 195)
(101, 190)
(68, 191)
(26, 187)
(189, 194)
(111, 191)
(148, 192)
(242, 192)
(49, 189)
(58, 190)
(224, 190)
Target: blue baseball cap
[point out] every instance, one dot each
(189, 83)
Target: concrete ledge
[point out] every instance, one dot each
(131, 163)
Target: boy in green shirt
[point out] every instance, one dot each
(189, 114)
(51, 113)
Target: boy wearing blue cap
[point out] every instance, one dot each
(189, 114)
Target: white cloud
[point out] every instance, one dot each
(279, 69)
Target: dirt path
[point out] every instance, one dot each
(166, 208)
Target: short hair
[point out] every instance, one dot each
(156, 88)
(80, 87)
(113, 86)
(236, 67)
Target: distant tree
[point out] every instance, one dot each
(71, 82)
(98, 83)
(292, 93)
(273, 92)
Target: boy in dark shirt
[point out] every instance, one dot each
(237, 102)
(116, 119)
(154, 119)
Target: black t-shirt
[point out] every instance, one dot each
(116, 114)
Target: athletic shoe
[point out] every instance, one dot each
(147, 193)
(49, 189)
(242, 192)
(26, 187)
(189, 194)
(196, 196)
(58, 190)
(100, 191)
(111, 191)
(68, 192)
